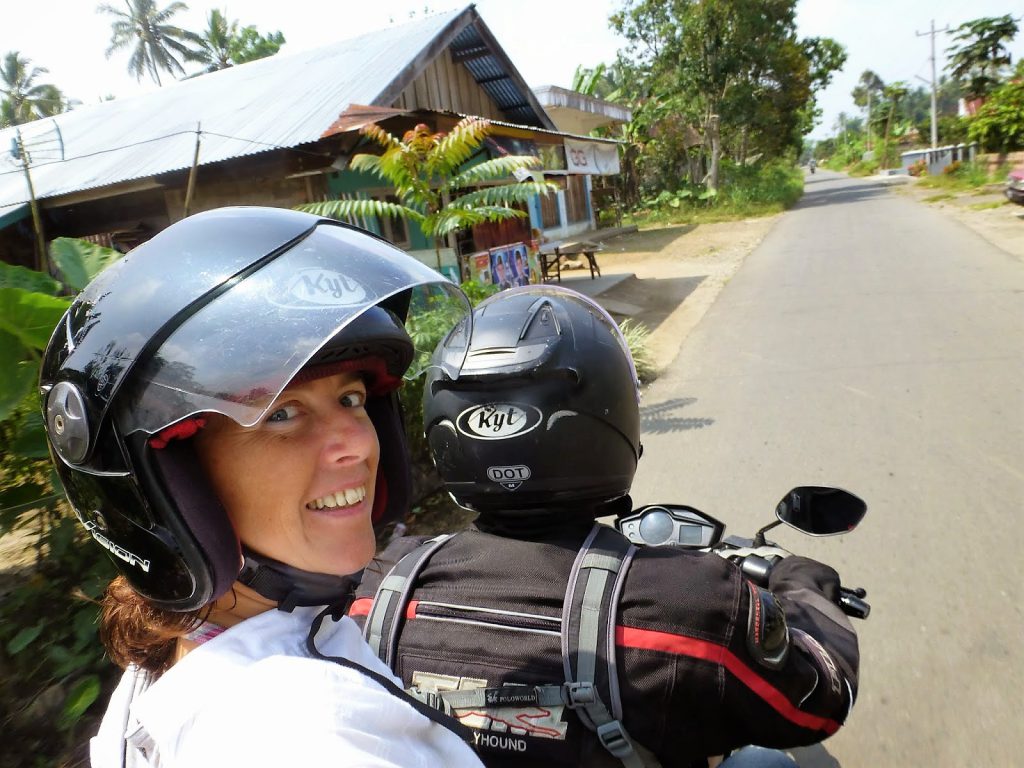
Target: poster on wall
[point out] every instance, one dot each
(510, 265)
(480, 267)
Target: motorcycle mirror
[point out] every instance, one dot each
(670, 525)
(821, 511)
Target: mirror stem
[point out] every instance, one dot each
(759, 536)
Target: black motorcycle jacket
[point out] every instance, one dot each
(705, 661)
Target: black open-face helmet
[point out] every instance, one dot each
(218, 313)
(542, 415)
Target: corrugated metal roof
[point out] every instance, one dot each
(282, 101)
(486, 66)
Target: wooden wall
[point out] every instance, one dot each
(275, 193)
(445, 85)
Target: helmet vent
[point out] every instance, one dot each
(541, 322)
(68, 426)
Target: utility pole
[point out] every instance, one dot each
(191, 188)
(19, 151)
(934, 83)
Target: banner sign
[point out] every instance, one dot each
(591, 157)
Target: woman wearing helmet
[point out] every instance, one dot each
(221, 409)
(568, 644)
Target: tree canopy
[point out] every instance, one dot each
(159, 46)
(223, 44)
(733, 70)
(980, 54)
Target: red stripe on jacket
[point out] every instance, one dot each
(680, 645)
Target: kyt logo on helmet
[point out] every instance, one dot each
(498, 421)
(321, 287)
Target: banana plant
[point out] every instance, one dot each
(31, 305)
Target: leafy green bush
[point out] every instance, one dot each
(863, 168)
(999, 123)
(51, 660)
(771, 184)
(745, 190)
(964, 176)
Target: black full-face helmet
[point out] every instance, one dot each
(217, 314)
(544, 412)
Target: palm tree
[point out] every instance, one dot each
(894, 92)
(215, 42)
(224, 44)
(868, 87)
(426, 171)
(157, 44)
(23, 98)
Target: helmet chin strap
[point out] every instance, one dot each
(290, 587)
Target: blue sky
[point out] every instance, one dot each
(546, 39)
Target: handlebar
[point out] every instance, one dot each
(851, 599)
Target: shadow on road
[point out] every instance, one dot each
(647, 241)
(661, 418)
(650, 300)
(842, 195)
(814, 756)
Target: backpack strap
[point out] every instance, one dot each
(588, 636)
(392, 597)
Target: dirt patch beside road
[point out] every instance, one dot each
(679, 270)
(985, 211)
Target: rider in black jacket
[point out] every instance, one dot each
(539, 433)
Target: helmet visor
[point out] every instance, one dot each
(239, 350)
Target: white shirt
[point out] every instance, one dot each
(252, 696)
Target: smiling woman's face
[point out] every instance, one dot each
(298, 486)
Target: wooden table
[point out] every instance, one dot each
(550, 255)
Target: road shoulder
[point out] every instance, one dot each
(984, 211)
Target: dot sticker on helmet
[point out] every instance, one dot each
(510, 477)
(498, 421)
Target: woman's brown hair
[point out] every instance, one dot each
(136, 632)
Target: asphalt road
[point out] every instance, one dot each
(872, 344)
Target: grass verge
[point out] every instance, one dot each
(744, 192)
